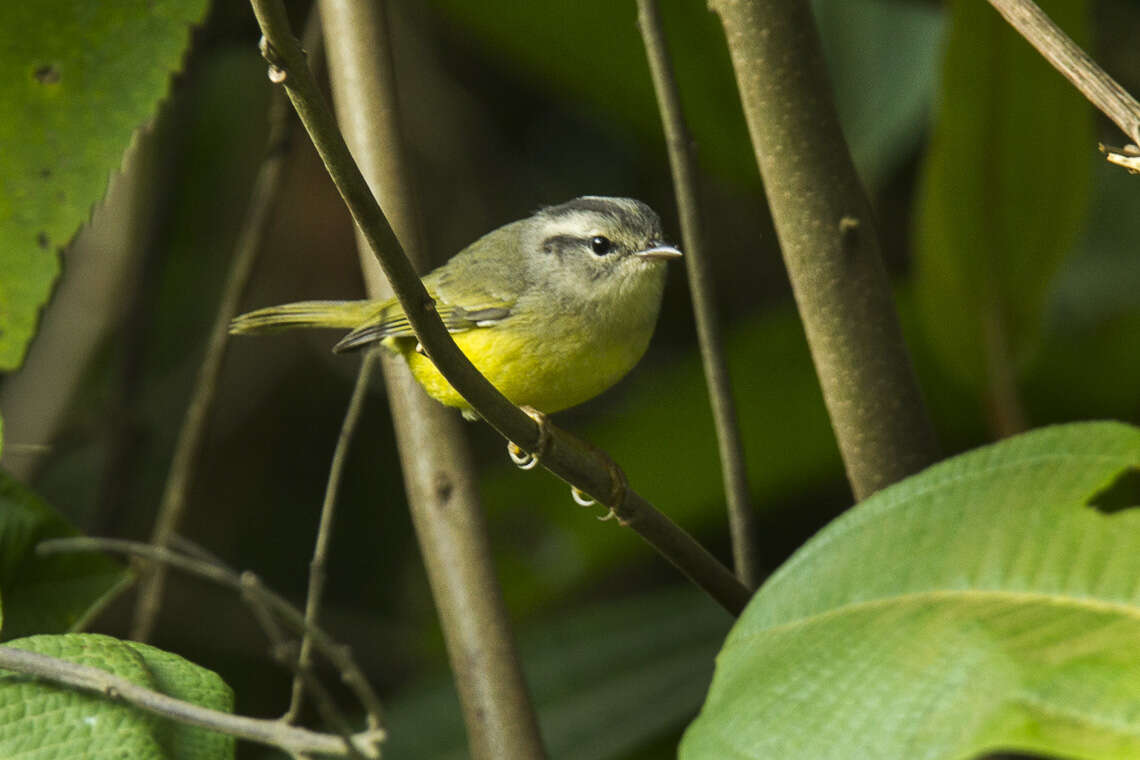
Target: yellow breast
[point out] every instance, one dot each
(533, 368)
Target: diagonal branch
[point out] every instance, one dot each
(1074, 64)
(571, 459)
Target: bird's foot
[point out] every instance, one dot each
(619, 485)
(528, 460)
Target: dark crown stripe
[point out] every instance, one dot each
(594, 205)
(626, 212)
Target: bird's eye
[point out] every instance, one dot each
(601, 245)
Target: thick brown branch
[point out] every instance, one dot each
(830, 246)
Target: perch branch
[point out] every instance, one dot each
(579, 464)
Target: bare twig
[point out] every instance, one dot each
(439, 476)
(109, 686)
(1127, 157)
(1074, 64)
(741, 518)
(190, 437)
(830, 246)
(284, 652)
(324, 531)
(576, 462)
(339, 655)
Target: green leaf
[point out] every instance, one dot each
(76, 80)
(48, 721)
(1003, 193)
(981, 604)
(52, 594)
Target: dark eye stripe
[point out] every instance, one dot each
(559, 243)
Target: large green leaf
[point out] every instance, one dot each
(980, 604)
(50, 594)
(1003, 193)
(47, 721)
(76, 79)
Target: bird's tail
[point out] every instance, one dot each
(342, 314)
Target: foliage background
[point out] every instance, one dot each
(509, 107)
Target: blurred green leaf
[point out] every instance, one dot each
(591, 51)
(1088, 365)
(883, 60)
(44, 720)
(981, 604)
(1003, 193)
(50, 594)
(76, 80)
(605, 679)
(1102, 277)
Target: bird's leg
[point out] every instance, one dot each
(528, 460)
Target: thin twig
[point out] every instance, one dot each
(1074, 64)
(117, 689)
(339, 655)
(741, 518)
(283, 652)
(188, 447)
(324, 530)
(579, 464)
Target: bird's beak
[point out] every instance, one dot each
(660, 252)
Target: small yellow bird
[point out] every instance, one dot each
(552, 309)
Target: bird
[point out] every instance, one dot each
(552, 309)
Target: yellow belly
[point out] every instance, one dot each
(528, 370)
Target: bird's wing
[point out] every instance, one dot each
(478, 287)
(390, 321)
